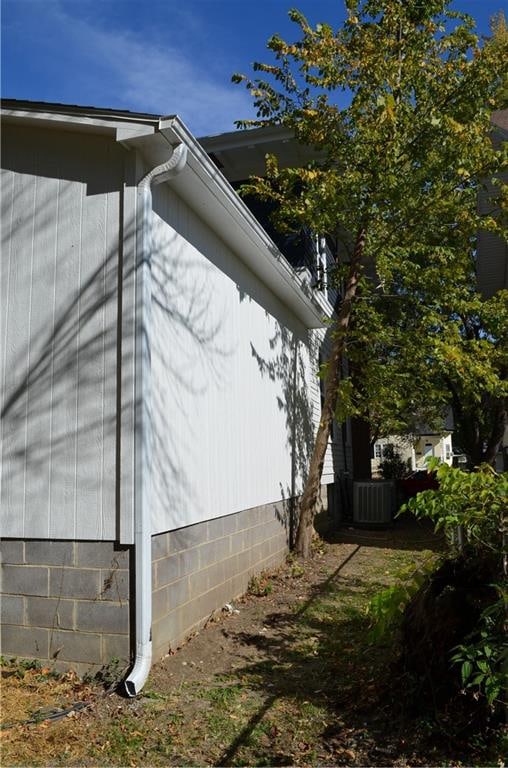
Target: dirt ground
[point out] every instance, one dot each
(285, 676)
(249, 635)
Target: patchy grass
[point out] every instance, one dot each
(290, 680)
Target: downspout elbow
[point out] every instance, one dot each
(138, 675)
(165, 171)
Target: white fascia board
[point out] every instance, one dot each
(203, 185)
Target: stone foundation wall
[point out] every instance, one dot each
(65, 601)
(196, 570)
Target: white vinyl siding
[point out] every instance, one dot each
(226, 412)
(59, 272)
(334, 459)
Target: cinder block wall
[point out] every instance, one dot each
(70, 602)
(65, 601)
(198, 569)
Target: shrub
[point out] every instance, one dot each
(475, 502)
(392, 466)
(483, 657)
(260, 584)
(387, 607)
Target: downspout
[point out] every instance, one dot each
(137, 677)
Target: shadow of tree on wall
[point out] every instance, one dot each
(59, 412)
(68, 299)
(68, 317)
(287, 368)
(190, 357)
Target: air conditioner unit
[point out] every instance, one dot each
(374, 502)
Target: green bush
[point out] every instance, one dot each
(387, 607)
(392, 466)
(483, 658)
(475, 502)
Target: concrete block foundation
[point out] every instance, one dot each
(65, 602)
(71, 603)
(196, 570)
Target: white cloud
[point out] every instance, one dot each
(141, 76)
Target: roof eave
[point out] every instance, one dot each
(259, 252)
(240, 230)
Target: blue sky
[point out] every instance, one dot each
(159, 56)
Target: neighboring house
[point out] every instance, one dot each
(492, 256)
(414, 452)
(160, 397)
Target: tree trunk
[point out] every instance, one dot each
(495, 439)
(480, 444)
(309, 500)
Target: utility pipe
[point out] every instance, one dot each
(137, 677)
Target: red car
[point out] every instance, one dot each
(418, 481)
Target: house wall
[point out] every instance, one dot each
(65, 602)
(233, 378)
(492, 250)
(492, 264)
(236, 404)
(61, 222)
(439, 446)
(226, 349)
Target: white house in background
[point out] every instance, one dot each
(159, 389)
(415, 450)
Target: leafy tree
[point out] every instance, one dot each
(399, 165)
(470, 356)
(434, 349)
(394, 391)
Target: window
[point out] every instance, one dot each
(377, 451)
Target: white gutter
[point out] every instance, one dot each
(136, 679)
(244, 233)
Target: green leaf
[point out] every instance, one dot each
(466, 671)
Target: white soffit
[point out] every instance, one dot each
(77, 122)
